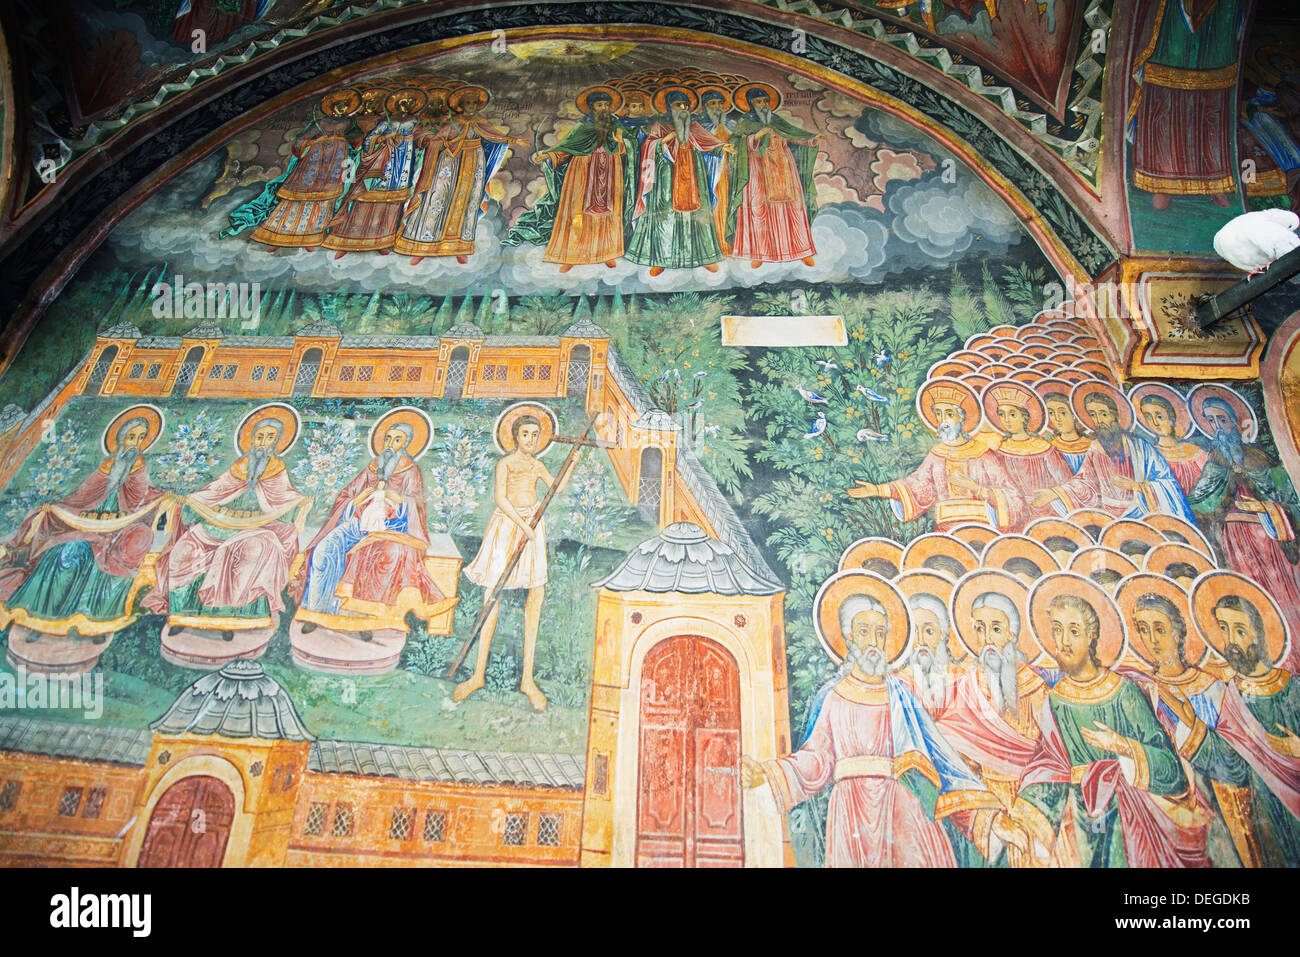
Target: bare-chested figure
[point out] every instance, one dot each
(515, 493)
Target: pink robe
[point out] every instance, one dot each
(117, 553)
(927, 488)
(1034, 465)
(772, 219)
(872, 821)
(249, 565)
(1186, 461)
(1255, 553)
(982, 734)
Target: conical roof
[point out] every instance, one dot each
(684, 559)
(239, 701)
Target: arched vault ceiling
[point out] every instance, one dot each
(1037, 62)
(102, 186)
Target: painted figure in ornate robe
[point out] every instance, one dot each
(1067, 436)
(1183, 109)
(1122, 473)
(83, 557)
(901, 796)
(370, 215)
(673, 220)
(595, 168)
(931, 673)
(714, 104)
(960, 478)
(365, 568)
(227, 563)
(304, 198)
(992, 721)
(1186, 459)
(460, 158)
(1248, 506)
(772, 194)
(1106, 788)
(1256, 788)
(1031, 461)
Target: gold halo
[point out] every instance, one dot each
(949, 368)
(972, 357)
(1040, 530)
(286, 415)
(866, 552)
(1019, 361)
(349, 98)
(153, 418)
(741, 96)
(1246, 419)
(826, 612)
(979, 582)
(1160, 558)
(1098, 370)
(505, 440)
(1090, 518)
(408, 415)
(1055, 386)
(373, 100)
(1124, 530)
(408, 93)
(974, 536)
(584, 98)
(1146, 583)
(1175, 529)
(978, 340)
(1111, 636)
(976, 381)
(999, 389)
(455, 99)
(1004, 332)
(1212, 586)
(997, 351)
(1089, 561)
(922, 581)
(1007, 547)
(933, 545)
(1056, 335)
(1028, 376)
(950, 389)
(1075, 376)
(1085, 390)
(660, 98)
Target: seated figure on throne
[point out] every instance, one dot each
(227, 563)
(75, 566)
(365, 569)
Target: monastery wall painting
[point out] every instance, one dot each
(453, 528)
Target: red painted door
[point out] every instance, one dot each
(190, 825)
(688, 797)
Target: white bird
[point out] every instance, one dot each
(827, 364)
(810, 395)
(1252, 241)
(871, 394)
(712, 430)
(871, 435)
(818, 427)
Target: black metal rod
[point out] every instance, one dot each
(1217, 308)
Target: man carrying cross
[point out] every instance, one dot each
(523, 433)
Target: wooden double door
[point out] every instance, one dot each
(190, 824)
(689, 785)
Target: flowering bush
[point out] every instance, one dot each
(454, 484)
(192, 453)
(595, 511)
(332, 450)
(55, 468)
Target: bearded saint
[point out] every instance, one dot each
(961, 478)
(592, 171)
(772, 193)
(673, 220)
(1122, 473)
(932, 674)
(1186, 459)
(1257, 787)
(901, 796)
(366, 569)
(1245, 500)
(228, 559)
(82, 557)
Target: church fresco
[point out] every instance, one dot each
(404, 419)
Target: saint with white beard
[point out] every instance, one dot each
(961, 479)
